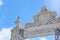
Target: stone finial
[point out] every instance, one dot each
(18, 21)
(44, 8)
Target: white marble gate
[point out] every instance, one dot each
(44, 24)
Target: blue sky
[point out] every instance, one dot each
(26, 9)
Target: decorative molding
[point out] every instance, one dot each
(44, 17)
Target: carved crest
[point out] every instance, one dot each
(44, 17)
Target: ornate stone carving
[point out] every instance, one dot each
(44, 17)
(39, 27)
(36, 21)
(44, 9)
(17, 33)
(28, 25)
(58, 19)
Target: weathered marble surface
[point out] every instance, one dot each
(44, 23)
(42, 30)
(44, 17)
(17, 33)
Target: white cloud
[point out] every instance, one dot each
(1, 2)
(5, 34)
(43, 38)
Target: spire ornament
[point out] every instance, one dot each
(18, 21)
(44, 8)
